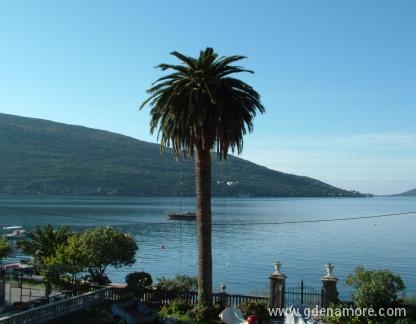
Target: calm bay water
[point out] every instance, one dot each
(249, 234)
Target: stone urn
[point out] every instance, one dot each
(329, 268)
(277, 266)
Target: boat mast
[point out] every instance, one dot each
(181, 191)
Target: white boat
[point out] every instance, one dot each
(14, 232)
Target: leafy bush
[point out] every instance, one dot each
(179, 283)
(375, 288)
(177, 309)
(203, 314)
(199, 313)
(138, 280)
(258, 308)
(409, 300)
(334, 317)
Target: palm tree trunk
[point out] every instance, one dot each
(203, 224)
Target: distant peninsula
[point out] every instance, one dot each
(40, 157)
(407, 193)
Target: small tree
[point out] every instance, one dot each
(69, 260)
(374, 288)
(104, 246)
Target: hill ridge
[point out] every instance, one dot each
(42, 157)
(411, 192)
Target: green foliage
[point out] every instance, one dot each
(375, 288)
(178, 283)
(104, 246)
(184, 313)
(43, 157)
(70, 257)
(42, 242)
(68, 261)
(5, 249)
(409, 299)
(177, 309)
(258, 308)
(201, 95)
(137, 280)
(62, 255)
(335, 317)
(200, 313)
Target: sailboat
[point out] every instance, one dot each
(181, 215)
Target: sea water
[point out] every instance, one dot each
(248, 235)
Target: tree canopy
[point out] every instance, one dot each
(199, 105)
(59, 253)
(374, 288)
(68, 258)
(104, 246)
(42, 242)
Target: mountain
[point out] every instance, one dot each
(43, 157)
(408, 193)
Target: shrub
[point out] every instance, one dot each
(200, 313)
(139, 280)
(375, 288)
(258, 308)
(334, 317)
(176, 307)
(179, 283)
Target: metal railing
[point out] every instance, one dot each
(160, 297)
(154, 297)
(57, 309)
(303, 295)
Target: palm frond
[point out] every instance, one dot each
(198, 104)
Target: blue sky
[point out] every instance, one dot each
(337, 78)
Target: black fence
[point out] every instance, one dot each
(303, 295)
(161, 297)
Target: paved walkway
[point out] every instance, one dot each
(25, 294)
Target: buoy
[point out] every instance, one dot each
(162, 247)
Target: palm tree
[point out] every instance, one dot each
(196, 108)
(42, 243)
